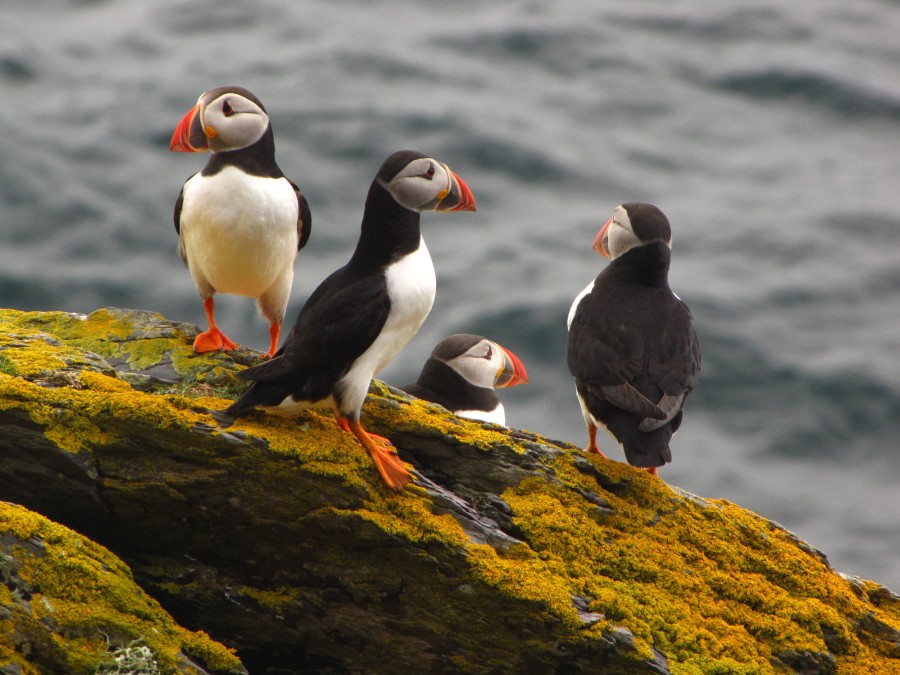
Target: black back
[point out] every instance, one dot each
(632, 329)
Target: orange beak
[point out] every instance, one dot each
(601, 244)
(513, 371)
(189, 136)
(459, 198)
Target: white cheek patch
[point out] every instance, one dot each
(405, 193)
(241, 131)
(621, 240)
(412, 190)
(479, 371)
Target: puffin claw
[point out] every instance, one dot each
(213, 340)
(388, 463)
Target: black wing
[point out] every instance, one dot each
(601, 348)
(178, 204)
(617, 361)
(675, 366)
(338, 323)
(304, 217)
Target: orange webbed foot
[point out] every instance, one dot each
(389, 465)
(213, 340)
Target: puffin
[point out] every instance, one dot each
(364, 313)
(462, 373)
(632, 347)
(240, 222)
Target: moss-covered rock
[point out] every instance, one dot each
(68, 605)
(513, 553)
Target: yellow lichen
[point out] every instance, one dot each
(100, 382)
(714, 587)
(520, 574)
(277, 599)
(88, 596)
(407, 515)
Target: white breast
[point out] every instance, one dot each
(497, 415)
(239, 232)
(574, 307)
(411, 285)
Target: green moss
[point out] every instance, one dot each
(7, 367)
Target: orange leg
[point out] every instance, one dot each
(652, 470)
(274, 334)
(592, 441)
(212, 340)
(383, 454)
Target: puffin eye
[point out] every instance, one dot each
(430, 173)
(227, 110)
(489, 354)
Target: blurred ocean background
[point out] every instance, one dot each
(767, 131)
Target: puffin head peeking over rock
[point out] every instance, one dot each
(462, 373)
(632, 347)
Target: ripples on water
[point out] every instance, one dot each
(767, 132)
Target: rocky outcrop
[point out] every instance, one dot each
(512, 553)
(67, 605)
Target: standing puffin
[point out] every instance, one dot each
(632, 346)
(462, 373)
(364, 313)
(240, 222)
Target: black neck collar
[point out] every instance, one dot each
(257, 159)
(646, 265)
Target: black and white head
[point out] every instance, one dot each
(225, 118)
(420, 183)
(480, 361)
(632, 225)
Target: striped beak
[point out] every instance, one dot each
(601, 242)
(513, 371)
(189, 135)
(458, 198)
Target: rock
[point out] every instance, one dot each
(67, 605)
(513, 553)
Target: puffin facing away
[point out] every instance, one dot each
(462, 373)
(364, 313)
(240, 222)
(632, 346)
